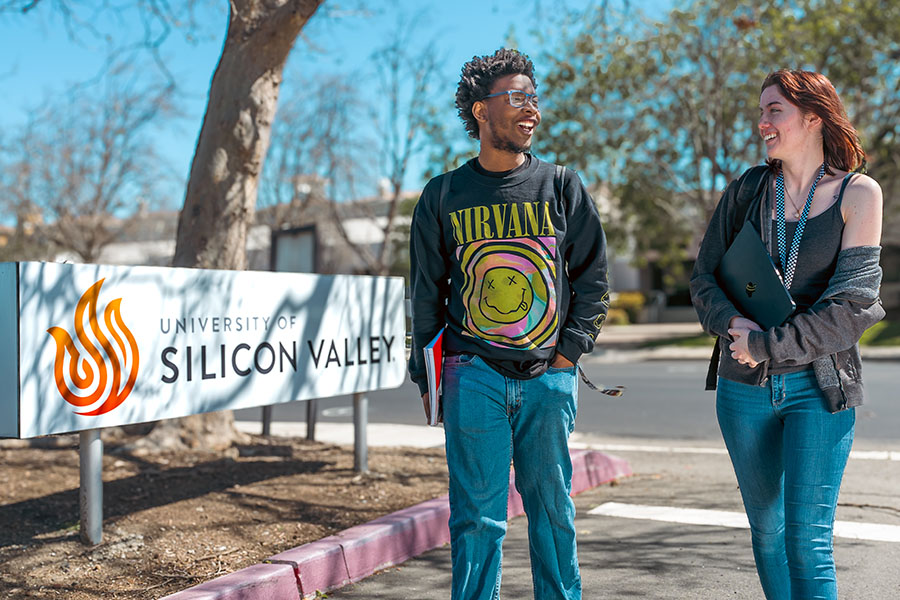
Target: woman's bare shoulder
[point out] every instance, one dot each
(863, 194)
(864, 188)
(862, 208)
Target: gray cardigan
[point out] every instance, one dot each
(826, 335)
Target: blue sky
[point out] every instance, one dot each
(40, 59)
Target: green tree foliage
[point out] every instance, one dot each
(663, 114)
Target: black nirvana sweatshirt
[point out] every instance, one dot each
(514, 266)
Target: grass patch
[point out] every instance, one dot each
(883, 333)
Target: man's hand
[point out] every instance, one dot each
(561, 362)
(427, 408)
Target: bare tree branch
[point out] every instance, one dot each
(85, 163)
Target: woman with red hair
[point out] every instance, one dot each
(786, 395)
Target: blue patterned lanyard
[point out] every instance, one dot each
(789, 262)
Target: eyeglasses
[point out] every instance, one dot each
(517, 98)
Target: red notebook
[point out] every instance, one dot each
(434, 362)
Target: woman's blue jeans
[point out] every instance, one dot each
(488, 420)
(789, 455)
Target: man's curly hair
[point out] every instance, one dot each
(480, 73)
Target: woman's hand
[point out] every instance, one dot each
(739, 329)
(740, 350)
(743, 323)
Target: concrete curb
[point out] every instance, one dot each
(256, 582)
(357, 552)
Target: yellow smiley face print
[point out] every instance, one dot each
(506, 295)
(509, 292)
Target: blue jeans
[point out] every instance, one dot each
(789, 455)
(488, 420)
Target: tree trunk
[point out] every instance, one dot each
(221, 193)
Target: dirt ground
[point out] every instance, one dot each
(176, 519)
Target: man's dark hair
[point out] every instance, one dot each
(479, 75)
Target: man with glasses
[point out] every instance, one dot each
(507, 252)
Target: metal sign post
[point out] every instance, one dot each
(312, 414)
(90, 495)
(267, 420)
(360, 445)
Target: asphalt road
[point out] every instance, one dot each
(664, 400)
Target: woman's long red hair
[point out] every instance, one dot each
(813, 93)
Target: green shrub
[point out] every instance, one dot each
(630, 302)
(883, 333)
(617, 316)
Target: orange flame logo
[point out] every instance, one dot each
(92, 373)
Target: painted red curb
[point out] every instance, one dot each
(395, 538)
(590, 468)
(258, 582)
(593, 468)
(364, 549)
(357, 552)
(319, 565)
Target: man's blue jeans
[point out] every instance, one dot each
(488, 420)
(789, 455)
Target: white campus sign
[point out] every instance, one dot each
(89, 346)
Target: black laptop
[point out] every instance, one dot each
(750, 280)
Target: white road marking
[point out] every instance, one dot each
(876, 532)
(875, 454)
(648, 448)
(854, 454)
(690, 516)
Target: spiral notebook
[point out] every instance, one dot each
(749, 278)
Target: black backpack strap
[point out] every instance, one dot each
(445, 189)
(559, 181)
(712, 373)
(750, 186)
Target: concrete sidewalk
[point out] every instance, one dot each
(356, 553)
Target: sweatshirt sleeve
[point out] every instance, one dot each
(827, 327)
(585, 261)
(427, 279)
(836, 321)
(713, 307)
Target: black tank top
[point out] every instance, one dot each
(816, 259)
